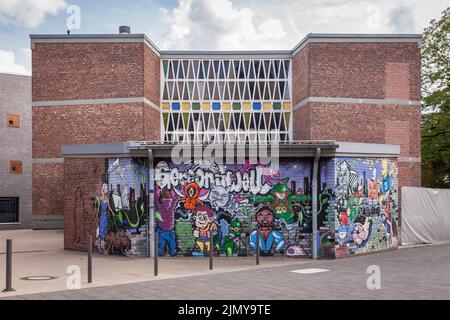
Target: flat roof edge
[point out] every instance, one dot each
(356, 148)
(311, 36)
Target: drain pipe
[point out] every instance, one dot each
(151, 207)
(314, 203)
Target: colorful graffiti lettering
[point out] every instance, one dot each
(230, 198)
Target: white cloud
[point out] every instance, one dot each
(402, 20)
(8, 62)
(28, 13)
(218, 25)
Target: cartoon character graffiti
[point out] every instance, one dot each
(347, 181)
(280, 200)
(361, 233)
(191, 196)
(271, 241)
(103, 212)
(204, 228)
(165, 206)
(221, 200)
(231, 242)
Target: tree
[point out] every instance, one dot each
(436, 103)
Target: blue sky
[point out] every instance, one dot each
(208, 24)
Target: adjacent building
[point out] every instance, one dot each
(15, 152)
(343, 111)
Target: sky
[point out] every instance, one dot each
(205, 24)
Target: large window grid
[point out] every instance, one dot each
(240, 100)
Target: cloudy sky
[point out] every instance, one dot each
(206, 24)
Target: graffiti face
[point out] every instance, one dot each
(265, 219)
(202, 218)
(192, 192)
(104, 189)
(235, 229)
(219, 197)
(361, 232)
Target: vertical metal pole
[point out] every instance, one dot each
(155, 250)
(8, 266)
(257, 245)
(211, 251)
(89, 249)
(314, 203)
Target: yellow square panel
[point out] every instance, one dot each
(247, 106)
(226, 106)
(186, 106)
(206, 106)
(287, 106)
(166, 106)
(267, 106)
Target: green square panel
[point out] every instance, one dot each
(196, 106)
(277, 106)
(236, 106)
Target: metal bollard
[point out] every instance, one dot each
(257, 245)
(156, 254)
(9, 266)
(211, 252)
(89, 250)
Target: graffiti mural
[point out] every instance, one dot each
(121, 208)
(195, 202)
(366, 205)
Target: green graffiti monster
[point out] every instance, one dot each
(231, 241)
(280, 199)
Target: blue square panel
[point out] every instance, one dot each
(176, 106)
(256, 105)
(216, 106)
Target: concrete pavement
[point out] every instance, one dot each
(412, 273)
(41, 253)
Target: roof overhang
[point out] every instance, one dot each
(294, 149)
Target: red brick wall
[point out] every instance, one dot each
(87, 124)
(367, 123)
(300, 76)
(82, 181)
(367, 71)
(48, 182)
(152, 76)
(74, 71)
(361, 70)
(152, 124)
(70, 71)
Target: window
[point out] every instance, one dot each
(13, 121)
(9, 210)
(232, 100)
(15, 167)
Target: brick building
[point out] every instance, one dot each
(109, 109)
